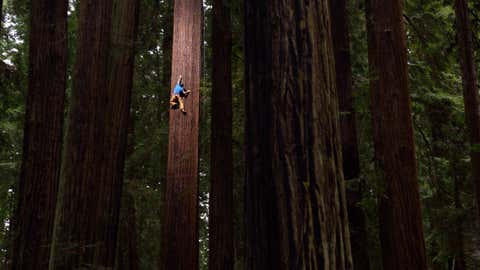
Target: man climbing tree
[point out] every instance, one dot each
(178, 95)
(180, 238)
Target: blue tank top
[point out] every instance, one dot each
(178, 89)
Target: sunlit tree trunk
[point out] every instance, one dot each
(295, 196)
(180, 236)
(221, 191)
(40, 171)
(92, 173)
(400, 218)
(470, 90)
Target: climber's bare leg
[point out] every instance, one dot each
(181, 105)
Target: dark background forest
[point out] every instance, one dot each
(442, 143)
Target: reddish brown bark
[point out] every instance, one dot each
(295, 198)
(401, 231)
(470, 90)
(180, 241)
(43, 135)
(92, 173)
(221, 191)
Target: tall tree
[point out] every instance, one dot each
(89, 198)
(470, 90)
(180, 241)
(295, 196)
(401, 231)
(167, 26)
(44, 119)
(221, 190)
(351, 162)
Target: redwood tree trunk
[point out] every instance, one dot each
(221, 192)
(180, 241)
(92, 173)
(470, 90)
(351, 163)
(43, 135)
(295, 196)
(401, 231)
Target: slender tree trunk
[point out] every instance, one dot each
(458, 244)
(43, 135)
(180, 241)
(295, 196)
(470, 90)
(167, 43)
(221, 192)
(92, 173)
(401, 231)
(351, 163)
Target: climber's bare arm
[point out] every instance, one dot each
(179, 79)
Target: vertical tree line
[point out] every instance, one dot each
(42, 145)
(221, 209)
(401, 230)
(92, 173)
(295, 196)
(470, 89)
(180, 237)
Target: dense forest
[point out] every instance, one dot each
(239, 134)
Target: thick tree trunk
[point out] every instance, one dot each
(351, 163)
(401, 231)
(92, 173)
(180, 241)
(470, 90)
(127, 257)
(43, 135)
(221, 192)
(295, 196)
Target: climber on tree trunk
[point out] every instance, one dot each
(179, 93)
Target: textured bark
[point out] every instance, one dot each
(295, 196)
(470, 90)
(351, 163)
(127, 256)
(180, 241)
(221, 190)
(92, 173)
(42, 158)
(401, 231)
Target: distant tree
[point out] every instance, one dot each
(401, 231)
(92, 173)
(180, 236)
(351, 162)
(43, 133)
(470, 90)
(295, 194)
(221, 210)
